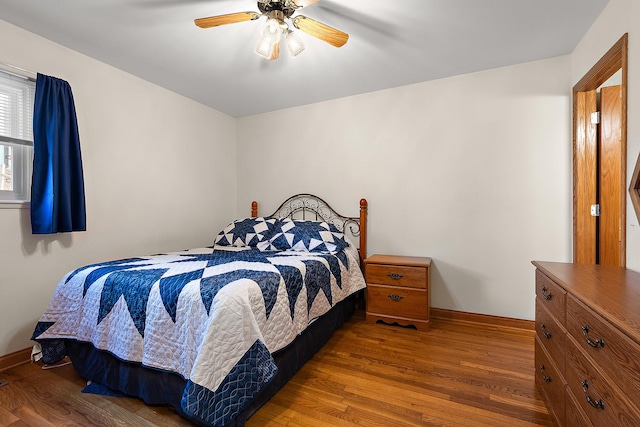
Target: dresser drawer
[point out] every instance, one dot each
(552, 335)
(607, 347)
(551, 296)
(396, 275)
(396, 301)
(550, 383)
(602, 402)
(598, 307)
(574, 415)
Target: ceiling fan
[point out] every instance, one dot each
(277, 11)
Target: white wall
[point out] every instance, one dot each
(619, 17)
(159, 175)
(473, 171)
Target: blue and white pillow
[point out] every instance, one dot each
(304, 236)
(246, 232)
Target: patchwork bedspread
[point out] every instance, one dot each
(214, 316)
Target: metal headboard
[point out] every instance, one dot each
(311, 207)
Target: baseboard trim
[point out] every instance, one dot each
(463, 316)
(14, 359)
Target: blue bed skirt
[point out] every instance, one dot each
(157, 387)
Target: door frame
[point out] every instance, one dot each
(615, 59)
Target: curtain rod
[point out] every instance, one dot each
(30, 74)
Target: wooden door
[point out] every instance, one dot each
(611, 182)
(599, 178)
(585, 185)
(600, 160)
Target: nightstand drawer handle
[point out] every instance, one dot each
(395, 276)
(595, 344)
(546, 294)
(395, 297)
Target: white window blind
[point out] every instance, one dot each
(17, 95)
(16, 108)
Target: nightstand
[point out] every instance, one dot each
(398, 290)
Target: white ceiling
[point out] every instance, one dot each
(392, 43)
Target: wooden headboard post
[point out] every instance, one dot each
(364, 207)
(254, 209)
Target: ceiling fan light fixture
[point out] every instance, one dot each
(294, 43)
(273, 25)
(275, 51)
(265, 48)
(276, 12)
(269, 42)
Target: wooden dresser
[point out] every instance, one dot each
(587, 346)
(398, 289)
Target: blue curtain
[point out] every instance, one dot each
(57, 189)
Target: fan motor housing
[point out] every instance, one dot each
(276, 5)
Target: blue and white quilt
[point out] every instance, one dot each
(212, 315)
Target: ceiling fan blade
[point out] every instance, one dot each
(319, 30)
(231, 18)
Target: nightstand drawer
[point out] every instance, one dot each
(397, 301)
(397, 275)
(398, 290)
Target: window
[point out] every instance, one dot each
(16, 136)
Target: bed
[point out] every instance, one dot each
(214, 332)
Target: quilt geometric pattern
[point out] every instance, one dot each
(246, 232)
(211, 315)
(304, 236)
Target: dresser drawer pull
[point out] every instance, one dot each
(544, 331)
(546, 294)
(545, 377)
(395, 297)
(595, 344)
(395, 276)
(595, 403)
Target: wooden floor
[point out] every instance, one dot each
(456, 374)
